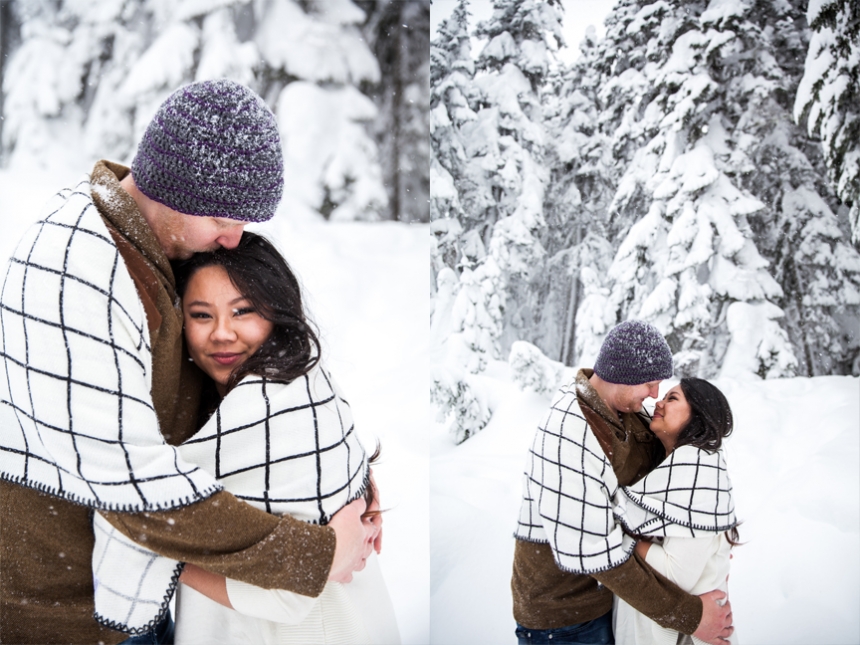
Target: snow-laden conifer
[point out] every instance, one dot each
(489, 144)
(828, 98)
(89, 76)
(719, 201)
(575, 209)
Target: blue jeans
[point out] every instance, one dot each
(161, 635)
(597, 631)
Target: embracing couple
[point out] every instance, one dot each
(627, 522)
(167, 418)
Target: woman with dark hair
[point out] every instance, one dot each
(276, 433)
(680, 518)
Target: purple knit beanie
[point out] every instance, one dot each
(633, 353)
(212, 150)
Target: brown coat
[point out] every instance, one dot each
(545, 597)
(46, 590)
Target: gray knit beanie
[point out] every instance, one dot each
(213, 150)
(633, 353)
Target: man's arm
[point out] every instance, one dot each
(277, 605)
(226, 536)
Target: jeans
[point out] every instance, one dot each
(598, 631)
(161, 635)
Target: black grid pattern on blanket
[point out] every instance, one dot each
(568, 489)
(143, 604)
(691, 490)
(287, 448)
(74, 393)
(309, 476)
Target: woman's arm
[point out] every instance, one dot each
(681, 560)
(211, 585)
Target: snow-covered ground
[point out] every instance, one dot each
(366, 287)
(794, 459)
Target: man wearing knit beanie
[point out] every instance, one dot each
(97, 388)
(570, 554)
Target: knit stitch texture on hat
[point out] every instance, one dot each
(633, 353)
(212, 150)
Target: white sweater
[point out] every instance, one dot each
(696, 565)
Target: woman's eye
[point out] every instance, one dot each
(198, 314)
(243, 311)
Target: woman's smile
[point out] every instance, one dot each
(225, 358)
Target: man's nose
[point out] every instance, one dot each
(654, 391)
(230, 238)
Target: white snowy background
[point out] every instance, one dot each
(794, 456)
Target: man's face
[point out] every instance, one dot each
(181, 236)
(629, 398)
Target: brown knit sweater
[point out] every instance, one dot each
(546, 597)
(46, 589)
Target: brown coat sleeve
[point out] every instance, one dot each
(227, 536)
(653, 595)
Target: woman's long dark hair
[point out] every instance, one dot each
(261, 274)
(710, 416)
(710, 422)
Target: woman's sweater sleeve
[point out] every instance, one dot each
(277, 605)
(681, 560)
(226, 536)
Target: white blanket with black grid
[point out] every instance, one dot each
(75, 405)
(284, 448)
(688, 495)
(567, 492)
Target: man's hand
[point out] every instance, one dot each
(373, 515)
(354, 543)
(716, 624)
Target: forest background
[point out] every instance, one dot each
(696, 167)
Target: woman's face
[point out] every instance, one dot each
(222, 328)
(671, 414)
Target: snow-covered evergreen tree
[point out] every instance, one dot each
(828, 98)
(719, 202)
(451, 96)
(489, 177)
(506, 148)
(575, 207)
(90, 75)
(401, 41)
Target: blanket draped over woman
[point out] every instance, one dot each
(285, 448)
(686, 505)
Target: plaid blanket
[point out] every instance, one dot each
(568, 490)
(688, 495)
(75, 404)
(284, 448)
